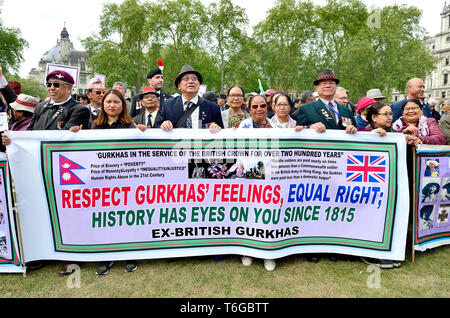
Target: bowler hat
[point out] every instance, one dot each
(187, 69)
(154, 72)
(148, 90)
(61, 75)
(326, 74)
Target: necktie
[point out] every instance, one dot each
(149, 121)
(51, 110)
(95, 111)
(333, 112)
(189, 119)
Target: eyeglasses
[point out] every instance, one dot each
(282, 105)
(55, 84)
(187, 78)
(259, 106)
(235, 96)
(98, 92)
(409, 109)
(345, 97)
(387, 114)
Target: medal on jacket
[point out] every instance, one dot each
(326, 114)
(59, 111)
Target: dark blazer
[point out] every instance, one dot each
(397, 109)
(139, 119)
(136, 99)
(73, 114)
(315, 112)
(209, 112)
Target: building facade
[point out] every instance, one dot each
(64, 53)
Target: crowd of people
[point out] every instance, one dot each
(326, 108)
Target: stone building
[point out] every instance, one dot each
(64, 53)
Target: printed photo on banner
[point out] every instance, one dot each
(432, 169)
(443, 213)
(3, 246)
(430, 189)
(2, 216)
(426, 217)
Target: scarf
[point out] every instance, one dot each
(401, 124)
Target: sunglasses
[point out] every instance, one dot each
(55, 84)
(259, 106)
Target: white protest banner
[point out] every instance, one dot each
(74, 71)
(269, 193)
(10, 259)
(432, 197)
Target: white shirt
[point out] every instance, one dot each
(195, 114)
(153, 117)
(53, 102)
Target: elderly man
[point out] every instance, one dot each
(444, 123)
(122, 88)
(341, 98)
(150, 101)
(189, 110)
(155, 79)
(326, 113)
(60, 112)
(433, 112)
(415, 88)
(96, 90)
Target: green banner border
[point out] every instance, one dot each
(48, 147)
(15, 257)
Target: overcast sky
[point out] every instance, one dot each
(41, 21)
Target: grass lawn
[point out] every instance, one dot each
(294, 277)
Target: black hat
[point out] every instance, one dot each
(326, 74)
(154, 72)
(187, 69)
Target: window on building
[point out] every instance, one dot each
(447, 60)
(83, 79)
(443, 94)
(445, 79)
(83, 66)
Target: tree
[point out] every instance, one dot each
(226, 28)
(120, 49)
(11, 48)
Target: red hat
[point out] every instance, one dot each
(148, 90)
(363, 103)
(61, 75)
(269, 92)
(16, 87)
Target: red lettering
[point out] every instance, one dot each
(66, 199)
(105, 197)
(113, 196)
(139, 196)
(96, 194)
(234, 192)
(86, 197)
(216, 191)
(75, 198)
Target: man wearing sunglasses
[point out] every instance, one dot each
(189, 110)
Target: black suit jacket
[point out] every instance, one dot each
(209, 112)
(139, 119)
(73, 114)
(134, 111)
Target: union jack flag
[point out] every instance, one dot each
(366, 168)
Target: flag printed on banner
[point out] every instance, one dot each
(66, 166)
(368, 168)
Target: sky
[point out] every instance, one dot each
(42, 21)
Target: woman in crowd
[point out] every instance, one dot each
(258, 114)
(379, 117)
(258, 119)
(417, 128)
(113, 115)
(282, 107)
(362, 107)
(23, 109)
(234, 115)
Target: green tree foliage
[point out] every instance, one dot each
(11, 48)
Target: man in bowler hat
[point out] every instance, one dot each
(189, 110)
(325, 113)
